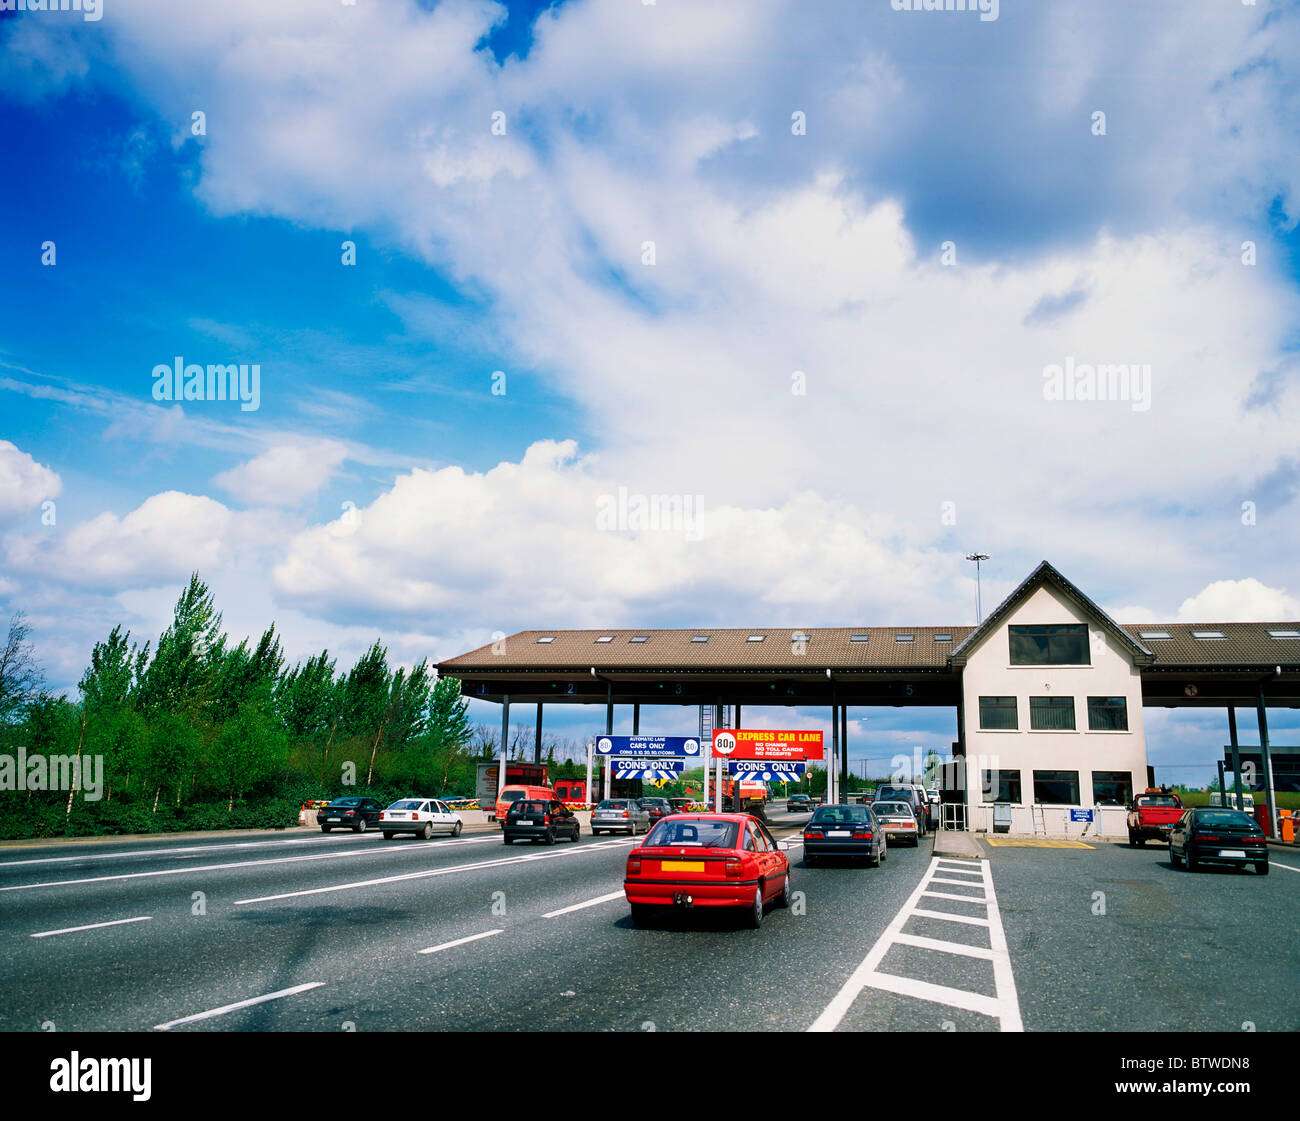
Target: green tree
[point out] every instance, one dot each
(250, 749)
(20, 673)
(182, 675)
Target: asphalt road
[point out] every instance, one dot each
(332, 929)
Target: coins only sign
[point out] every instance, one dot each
(748, 743)
(680, 747)
(773, 770)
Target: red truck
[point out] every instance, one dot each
(1152, 814)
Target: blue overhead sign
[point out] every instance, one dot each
(766, 770)
(682, 747)
(627, 766)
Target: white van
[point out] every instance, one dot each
(1216, 799)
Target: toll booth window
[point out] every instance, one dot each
(1113, 788)
(1056, 788)
(1051, 644)
(1000, 786)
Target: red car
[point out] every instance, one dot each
(707, 860)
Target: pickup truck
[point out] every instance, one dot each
(1152, 814)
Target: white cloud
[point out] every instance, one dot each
(286, 474)
(1239, 601)
(24, 483)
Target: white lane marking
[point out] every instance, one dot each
(620, 894)
(961, 872)
(436, 872)
(947, 916)
(960, 898)
(947, 947)
(1005, 1006)
(961, 883)
(459, 942)
(959, 860)
(168, 852)
(1286, 866)
(237, 1006)
(188, 869)
(90, 926)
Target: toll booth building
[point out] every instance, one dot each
(1048, 692)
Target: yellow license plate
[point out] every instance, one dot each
(682, 866)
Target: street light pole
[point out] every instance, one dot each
(979, 606)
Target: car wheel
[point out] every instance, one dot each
(641, 914)
(359, 826)
(508, 840)
(427, 831)
(1132, 839)
(324, 828)
(577, 832)
(455, 829)
(1261, 867)
(1174, 858)
(783, 900)
(1190, 859)
(809, 861)
(754, 916)
(550, 837)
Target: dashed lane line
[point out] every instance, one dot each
(213, 1012)
(89, 926)
(459, 942)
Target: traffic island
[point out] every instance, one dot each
(949, 842)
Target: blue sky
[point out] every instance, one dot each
(382, 487)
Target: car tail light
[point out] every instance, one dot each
(625, 813)
(546, 819)
(733, 868)
(633, 866)
(862, 835)
(349, 813)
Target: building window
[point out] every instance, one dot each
(998, 713)
(1050, 644)
(1000, 786)
(1107, 714)
(1051, 714)
(1056, 788)
(1112, 788)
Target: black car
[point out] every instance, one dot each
(357, 814)
(798, 803)
(844, 830)
(1212, 835)
(531, 819)
(656, 808)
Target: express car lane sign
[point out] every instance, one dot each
(761, 744)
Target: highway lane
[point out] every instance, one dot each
(354, 928)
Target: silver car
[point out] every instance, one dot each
(620, 815)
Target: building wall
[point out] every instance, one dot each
(989, 672)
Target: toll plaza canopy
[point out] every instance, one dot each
(851, 665)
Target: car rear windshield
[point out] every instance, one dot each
(1223, 817)
(896, 794)
(406, 804)
(841, 815)
(528, 807)
(346, 802)
(509, 795)
(1158, 800)
(895, 809)
(613, 804)
(696, 833)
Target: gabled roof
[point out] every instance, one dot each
(1047, 574)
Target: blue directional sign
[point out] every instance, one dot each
(1081, 815)
(766, 770)
(682, 747)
